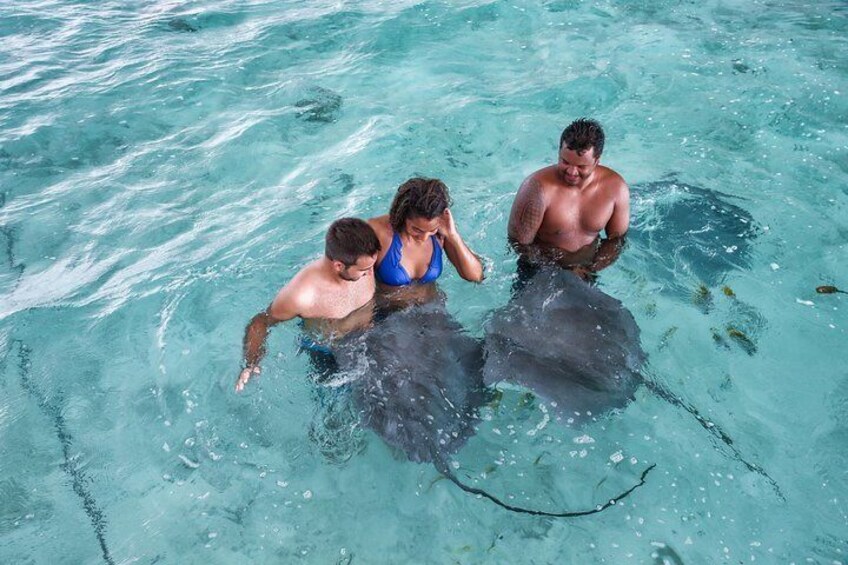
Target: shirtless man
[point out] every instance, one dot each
(560, 210)
(332, 294)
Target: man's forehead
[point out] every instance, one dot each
(588, 154)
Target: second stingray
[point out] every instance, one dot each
(579, 348)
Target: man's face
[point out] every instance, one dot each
(363, 267)
(575, 168)
(420, 229)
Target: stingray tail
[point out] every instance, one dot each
(447, 472)
(714, 429)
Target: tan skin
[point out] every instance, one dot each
(333, 299)
(560, 210)
(418, 251)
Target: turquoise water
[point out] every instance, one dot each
(166, 167)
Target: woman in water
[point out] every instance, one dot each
(418, 227)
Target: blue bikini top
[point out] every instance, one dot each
(392, 273)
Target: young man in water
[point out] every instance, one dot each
(560, 210)
(332, 290)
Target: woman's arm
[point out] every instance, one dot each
(467, 264)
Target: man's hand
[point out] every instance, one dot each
(585, 272)
(245, 375)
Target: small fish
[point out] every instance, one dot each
(666, 337)
(719, 339)
(651, 309)
(728, 291)
(828, 289)
(702, 294)
(740, 67)
(527, 399)
(742, 339)
(703, 299)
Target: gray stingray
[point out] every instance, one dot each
(419, 385)
(320, 105)
(422, 384)
(578, 347)
(686, 236)
(181, 24)
(568, 342)
(685, 228)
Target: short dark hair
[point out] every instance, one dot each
(418, 197)
(348, 239)
(582, 134)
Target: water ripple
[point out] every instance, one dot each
(165, 166)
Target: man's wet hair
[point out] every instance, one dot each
(418, 198)
(348, 239)
(582, 134)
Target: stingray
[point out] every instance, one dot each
(319, 105)
(579, 348)
(418, 384)
(708, 234)
(568, 342)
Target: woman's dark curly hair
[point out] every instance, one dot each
(418, 198)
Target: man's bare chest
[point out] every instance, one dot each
(576, 211)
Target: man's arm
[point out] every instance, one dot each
(616, 228)
(525, 219)
(527, 212)
(620, 219)
(284, 307)
(607, 253)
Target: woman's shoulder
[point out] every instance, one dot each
(381, 225)
(383, 229)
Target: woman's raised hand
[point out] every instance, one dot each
(447, 229)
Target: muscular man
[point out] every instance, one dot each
(332, 295)
(560, 210)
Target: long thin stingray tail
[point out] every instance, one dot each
(445, 470)
(714, 429)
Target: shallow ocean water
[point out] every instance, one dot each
(165, 167)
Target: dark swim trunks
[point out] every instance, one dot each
(320, 356)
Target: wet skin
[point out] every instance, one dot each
(560, 211)
(418, 250)
(332, 298)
